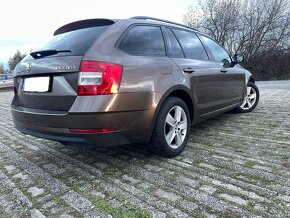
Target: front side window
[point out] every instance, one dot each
(143, 40)
(218, 52)
(191, 45)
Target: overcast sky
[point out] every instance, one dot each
(26, 24)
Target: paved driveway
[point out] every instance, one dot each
(281, 85)
(235, 165)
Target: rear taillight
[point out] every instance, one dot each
(99, 78)
(14, 90)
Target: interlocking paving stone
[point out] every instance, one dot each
(188, 181)
(10, 168)
(20, 176)
(153, 168)
(36, 214)
(82, 205)
(99, 194)
(34, 191)
(235, 165)
(130, 179)
(66, 216)
(285, 198)
(233, 188)
(167, 195)
(48, 180)
(20, 197)
(262, 168)
(53, 168)
(115, 203)
(208, 189)
(209, 166)
(234, 199)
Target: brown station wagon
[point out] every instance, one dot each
(139, 80)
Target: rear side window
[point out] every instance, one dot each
(191, 45)
(174, 49)
(77, 41)
(143, 40)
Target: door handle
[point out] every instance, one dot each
(188, 70)
(223, 70)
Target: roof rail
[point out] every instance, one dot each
(161, 20)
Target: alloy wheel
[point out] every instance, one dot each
(175, 127)
(250, 99)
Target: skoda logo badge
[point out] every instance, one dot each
(28, 67)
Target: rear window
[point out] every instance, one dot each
(77, 41)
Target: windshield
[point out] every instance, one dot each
(77, 41)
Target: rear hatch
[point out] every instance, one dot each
(47, 78)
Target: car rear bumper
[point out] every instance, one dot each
(125, 126)
(129, 127)
(100, 140)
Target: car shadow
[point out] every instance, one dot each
(134, 151)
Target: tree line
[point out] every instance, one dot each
(12, 62)
(257, 28)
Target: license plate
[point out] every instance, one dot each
(36, 84)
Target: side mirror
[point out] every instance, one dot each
(239, 58)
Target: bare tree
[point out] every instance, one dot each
(248, 26)
(273, 65)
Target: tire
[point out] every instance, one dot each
(251, 99)
(173, 121)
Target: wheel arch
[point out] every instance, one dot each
(179, 92)
(251, 79)
(187, 100)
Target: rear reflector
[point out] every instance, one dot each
(91, 131)
(99, 78)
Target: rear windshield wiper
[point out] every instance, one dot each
(44, 53)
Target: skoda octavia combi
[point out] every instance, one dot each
(140, 80)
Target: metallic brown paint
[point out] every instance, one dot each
(146, 82)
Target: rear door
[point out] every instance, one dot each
(187, 51)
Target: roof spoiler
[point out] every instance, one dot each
(82, 24)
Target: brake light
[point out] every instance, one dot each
(99, 78)
(14, 90)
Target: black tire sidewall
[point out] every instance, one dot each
(160, 122)
(252, 85)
